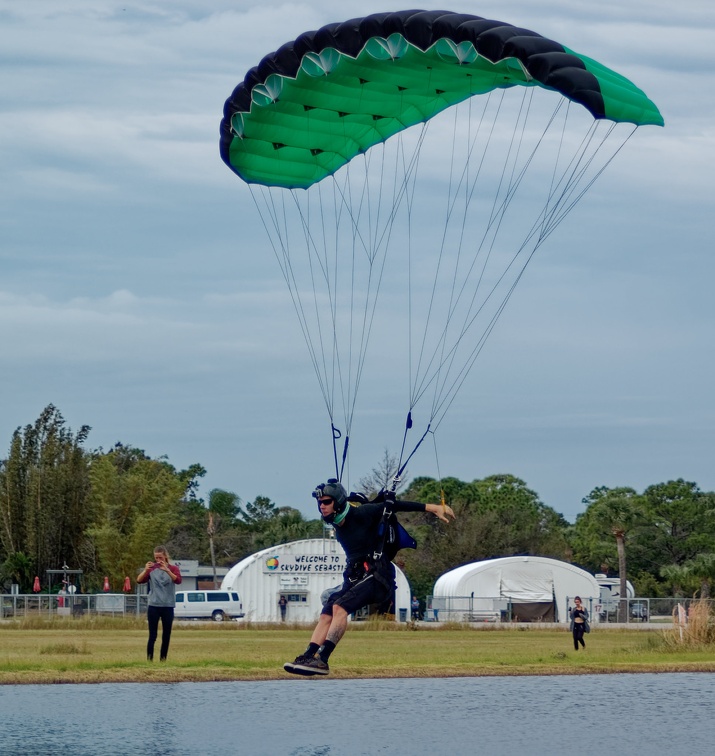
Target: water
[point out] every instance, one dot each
(649, 714)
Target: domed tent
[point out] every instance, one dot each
(533, 589)
(301, 571)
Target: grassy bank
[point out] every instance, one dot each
(113, 650)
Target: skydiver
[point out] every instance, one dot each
(369, 576)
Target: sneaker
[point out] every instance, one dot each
(290, 666)
(314, 666)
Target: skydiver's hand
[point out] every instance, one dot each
(389, 497)
(442, 511)
(360, 498)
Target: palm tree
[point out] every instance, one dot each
(702, 567)
(18, 568)
(222, 505)
(678, 575)
(617, 511)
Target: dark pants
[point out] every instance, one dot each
(153, 615)
(578, 630)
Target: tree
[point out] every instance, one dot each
(137, 501)
(680, 523)
(259, 511)
(287, 525)
(702, 568)
(496, 516)
(18, 569)
(381, 477)
(612, 515)
(44, 491)
(678, 576)
(223, 505)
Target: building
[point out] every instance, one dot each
(525, 588)
(302, 571)
(195, 576)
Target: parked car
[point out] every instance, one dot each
(215, 605)
(639, 610)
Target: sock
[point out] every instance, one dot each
(312, 649)
(327, 649)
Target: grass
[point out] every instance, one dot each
(92, 650)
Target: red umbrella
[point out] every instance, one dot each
(36, 585)
(127, 584)
(106, 584)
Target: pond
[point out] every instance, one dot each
(651, 714)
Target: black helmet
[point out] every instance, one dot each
(334, 489)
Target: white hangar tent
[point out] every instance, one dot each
(301, 571)
(526, 588)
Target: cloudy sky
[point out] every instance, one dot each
(138, 295)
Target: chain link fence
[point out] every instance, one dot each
(635, 610)
(13, 606)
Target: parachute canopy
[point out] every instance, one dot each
(314, 104)
(429, 154)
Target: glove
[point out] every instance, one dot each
(389, 497)
(359, 497)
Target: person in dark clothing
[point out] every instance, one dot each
(283, 604)
(369, 576)
(579, 622)
(163, 579)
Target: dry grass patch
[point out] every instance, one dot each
(65, 649)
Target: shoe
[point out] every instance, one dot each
(314, 666)
(289, 666)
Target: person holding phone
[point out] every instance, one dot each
(163, 579)
(579, 622)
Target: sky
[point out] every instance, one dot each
(139, 296)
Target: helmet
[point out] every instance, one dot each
(334, 489)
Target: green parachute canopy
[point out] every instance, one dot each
(426, 155)
(317, 102)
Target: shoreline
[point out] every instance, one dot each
(170, 677)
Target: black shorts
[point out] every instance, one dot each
(354, 596)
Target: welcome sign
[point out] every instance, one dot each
(305, 564)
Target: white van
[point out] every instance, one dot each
(215, 605)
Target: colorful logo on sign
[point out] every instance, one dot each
(272, 563)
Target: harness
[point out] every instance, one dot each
(391, 537)
(380, 570)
